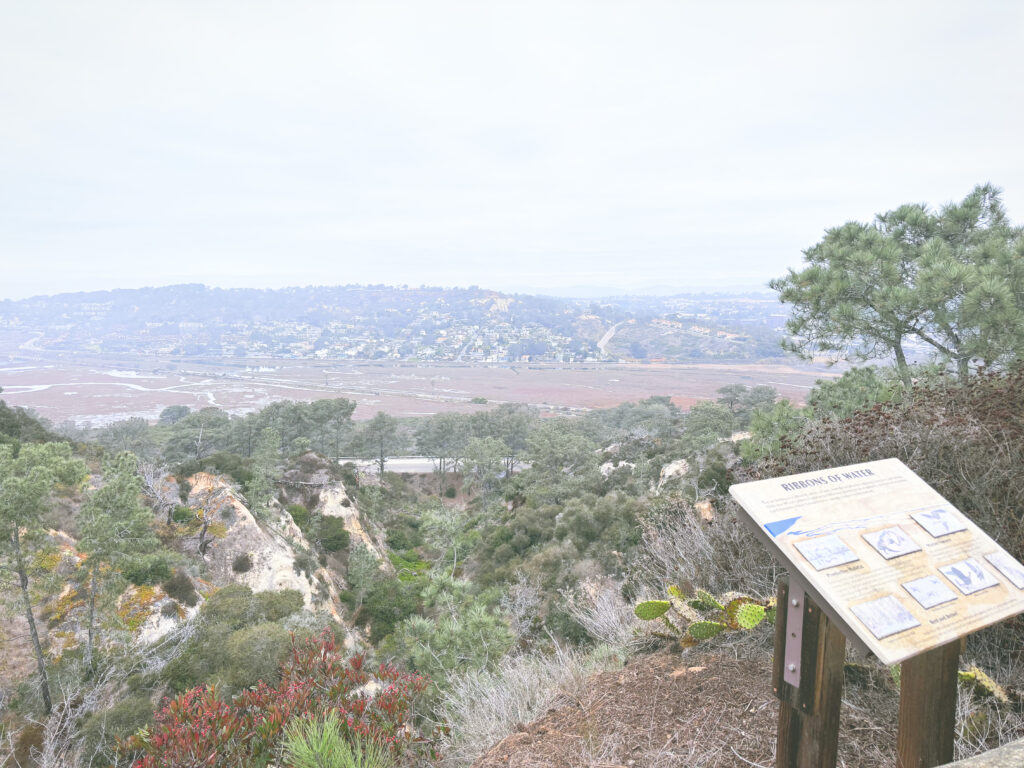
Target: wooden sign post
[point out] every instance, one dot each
(808, 735)
(879, 559)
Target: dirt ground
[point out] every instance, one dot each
(663, 710)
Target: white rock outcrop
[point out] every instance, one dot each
(271, 545)
(334, 502)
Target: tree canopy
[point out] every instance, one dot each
(951, 280)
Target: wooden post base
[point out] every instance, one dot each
(808, 734)
(928, 707)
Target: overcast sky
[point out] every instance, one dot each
(558, 147)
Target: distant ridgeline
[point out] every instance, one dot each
(387, 323)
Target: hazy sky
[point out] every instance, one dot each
(554, 146)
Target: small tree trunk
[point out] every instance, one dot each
(203, 541)
(92, 618)
(963, 369)
(901, 365)
(44, 683)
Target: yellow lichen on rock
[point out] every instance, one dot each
(135, 605)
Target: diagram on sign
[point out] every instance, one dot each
(939, 522)
(826, 552)
(929, 591)
(892, 542)
(897, 566)
(1009, 567)
(885, 616)
(969, 577)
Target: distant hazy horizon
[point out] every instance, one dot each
(567, 292)
(571, 148)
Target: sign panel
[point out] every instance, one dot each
(894, 562)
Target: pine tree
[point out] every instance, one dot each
(115, 529)
(951, 279)
(28, 477)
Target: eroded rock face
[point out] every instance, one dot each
(334, 502)
(272, 546)
(677, 468)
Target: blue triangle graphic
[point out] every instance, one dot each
(780, 526)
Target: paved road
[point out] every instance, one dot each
(400, 464)
(405, 464)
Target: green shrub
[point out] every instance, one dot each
(237, 606)
(255, 653)
(304, 563)
(181, 588)
(242, 563)
(149, 569)
(300, 515)
(216, 653)
(349, 478)
(450, 492)
(387, 603)
(404, 533)
(101, 730)
(237, 467)
(232, 605)
(170, 609)
(182, 514)
(203, 658)
(274, 606)
(467, 637)
(347, 598)
(408, 565)
(333, 536)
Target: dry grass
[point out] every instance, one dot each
(680, 547)
(484, 707)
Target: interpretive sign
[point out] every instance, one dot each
(889, 559)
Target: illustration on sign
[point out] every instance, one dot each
(939, 522)
(1009, 567)
(891, 542)
(930, 591)
(826, 552)
(969, 577)
(885, 617)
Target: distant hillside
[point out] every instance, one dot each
(381, 322)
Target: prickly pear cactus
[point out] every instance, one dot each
(689, 621)
(705, 630)
(750, 615)
(652, 609)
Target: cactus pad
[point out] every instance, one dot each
(733, 607)
(704, 630)
(651, 609)
(708, 599)
(750, 615)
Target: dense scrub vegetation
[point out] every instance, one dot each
(533, 536)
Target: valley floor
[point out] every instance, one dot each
(100, 390)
